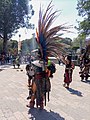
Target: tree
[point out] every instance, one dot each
(12, 47)
(13, 15)
(83, 8)
(78, 42)
(1, 42)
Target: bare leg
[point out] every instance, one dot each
(32, 102)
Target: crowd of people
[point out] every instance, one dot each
(4, 59)
(41, 70)
(37, 75)
(14, 59)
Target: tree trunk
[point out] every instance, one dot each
(5, 44)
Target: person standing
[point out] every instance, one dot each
(69, 67)
(40, 85)
(30, 73)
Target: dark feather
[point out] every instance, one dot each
(49, 38)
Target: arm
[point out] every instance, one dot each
(88, 64)
(63, 60)
(73, 66)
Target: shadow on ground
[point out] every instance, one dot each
(75, 92)
(86, 81)
(1, 70)
(36, 114)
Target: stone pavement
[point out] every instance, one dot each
(72, 104)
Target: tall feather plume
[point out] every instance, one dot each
(49, 38)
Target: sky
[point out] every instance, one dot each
(68, 15)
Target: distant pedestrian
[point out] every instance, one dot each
(69, 66)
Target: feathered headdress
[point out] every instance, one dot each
(48, 38)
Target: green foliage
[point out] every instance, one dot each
(76, 42)
(13, 15)
(79, 41)
(12, 46)
(67, 42)
(83, 8)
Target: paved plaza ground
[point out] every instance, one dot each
(72, 104)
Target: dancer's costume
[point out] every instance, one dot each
(85, 63)
(30, 73)
(49, 44)
(68, 73)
